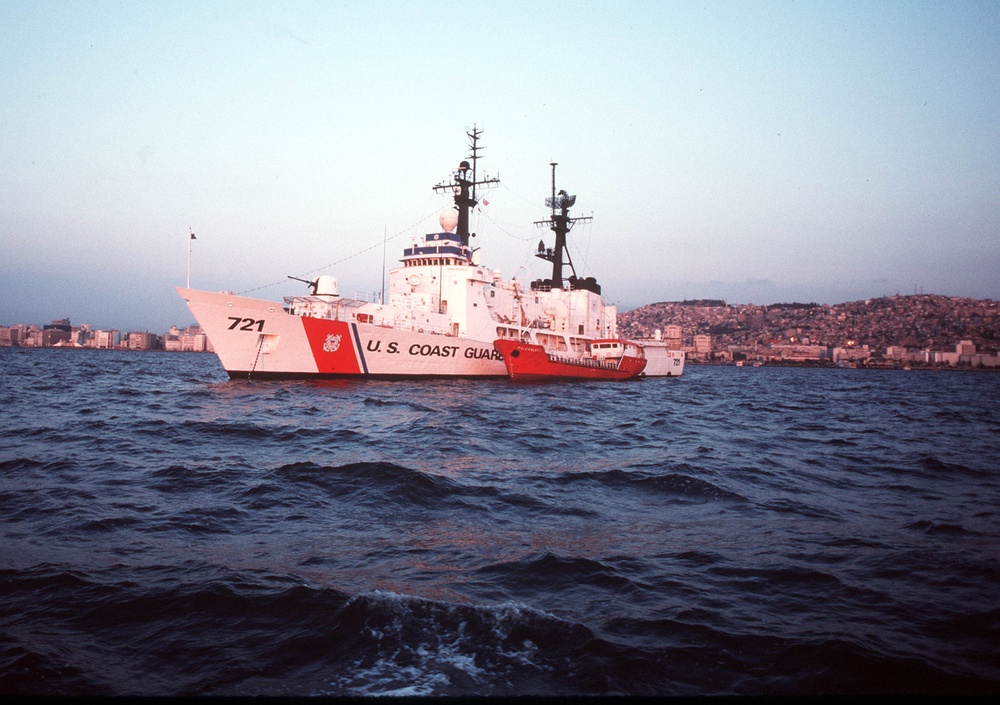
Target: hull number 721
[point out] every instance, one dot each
(248, 323)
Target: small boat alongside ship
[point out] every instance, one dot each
(446, 314)
(663, 358)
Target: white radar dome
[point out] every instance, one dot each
(327, 285)
(448, 219)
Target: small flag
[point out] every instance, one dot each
(485, 202)
(193, 237)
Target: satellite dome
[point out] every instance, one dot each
(448, 219)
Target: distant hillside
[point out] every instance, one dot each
(918, 321)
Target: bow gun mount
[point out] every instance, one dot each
(560, 223)
(313, 283)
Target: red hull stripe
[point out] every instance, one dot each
(333, 346)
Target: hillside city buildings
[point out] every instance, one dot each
(894, 331)
(61, 334)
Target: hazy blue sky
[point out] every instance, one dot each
(751, 151)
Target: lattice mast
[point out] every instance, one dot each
(560, 223)
(464, 185)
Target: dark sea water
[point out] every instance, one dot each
(736, 531)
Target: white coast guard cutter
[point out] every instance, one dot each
(442, 315)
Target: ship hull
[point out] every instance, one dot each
(258, 339)
(662, 361)
(526, 362)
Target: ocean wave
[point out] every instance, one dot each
(542, 572)
(943, 529)
(672, 484)
(413, 646)
(17, 466)
(378, 480)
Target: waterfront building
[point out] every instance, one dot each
(801, 352)
(194, 342)
(107, 339)
(857, 353)
(143, 341)
(941, 357)
(11, 336)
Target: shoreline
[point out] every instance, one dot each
(816, 364)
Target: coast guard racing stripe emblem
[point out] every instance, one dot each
(332, 347)
(332, 343)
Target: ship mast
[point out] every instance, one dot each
(560, 223)
(464, 186)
